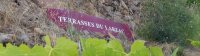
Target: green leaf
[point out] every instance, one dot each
(195, 43)
(175, 52)
(65, 47)
(156, 51)
(12, 51)
(116, 48)
(2, 52)
(40, 51)
(47, 40)
(93, 47)
(137, 44)
(25, 50)
(138, 49)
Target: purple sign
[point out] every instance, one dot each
(81, 21)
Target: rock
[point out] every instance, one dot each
(24, 37)
(90, 9)
(128, 18)
(7, 38)
(44, 3)
(39, 31)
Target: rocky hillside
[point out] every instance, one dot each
(27, 19)
(22, 16)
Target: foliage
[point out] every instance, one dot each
(90, 47)
(195, 43)
(138, 49)
(116, 47)
(195, 12)
(175, 52)
(193, 2)
(156, 51)
(63, 48)
(99, 47)
(167, 21)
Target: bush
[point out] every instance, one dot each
(190, 2)
(195, 43)
(166, 21)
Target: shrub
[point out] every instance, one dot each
(195, 43)
(190, 2)
(166, 21)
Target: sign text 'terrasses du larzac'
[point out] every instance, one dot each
(81, 21)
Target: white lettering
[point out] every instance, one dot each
(99, 26)
(74, 21)
(78, 21)
(90, 24)
(60, 19)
